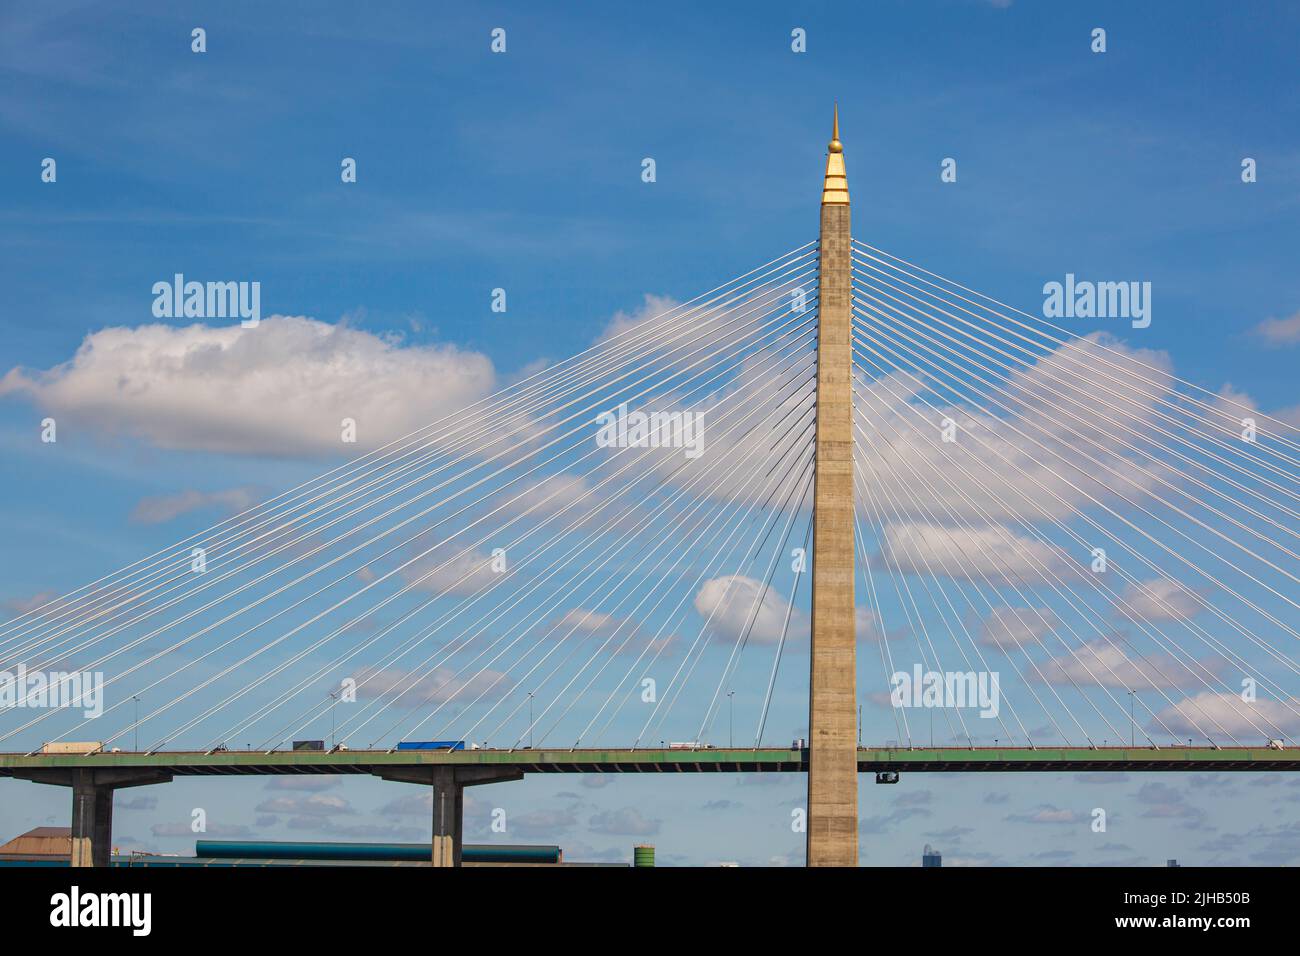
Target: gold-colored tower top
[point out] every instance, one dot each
(835, 190)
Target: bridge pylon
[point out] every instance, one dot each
(832, 701)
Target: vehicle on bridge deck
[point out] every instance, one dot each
(431, 745)
(72, 747)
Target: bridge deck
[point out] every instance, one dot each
(659, 760)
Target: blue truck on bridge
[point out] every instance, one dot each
(431, 745)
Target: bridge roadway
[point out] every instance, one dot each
(93, 778)
(671, 760)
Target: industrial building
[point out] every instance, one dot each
(52, 846)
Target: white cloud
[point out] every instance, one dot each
(738, 406)
(1012, 627)
(25, 605)
(454, 573)
(627, 821)
(1046, 813)
(1279, 331)
(1110, 666)
(280, 389)
(315, 805)
(1235, 405)
(968, 554)
(310, 784)
(587, 623)
(1233, 402)
(551, 495)
(732, 601)
(161, 508)
(1206, 712)
(542, 823)
(1029, 465)
(1160, 599)
(436, 687)
(623, 634)
(868, 626)
(652, 308)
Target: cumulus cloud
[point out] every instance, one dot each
(666, 324)
(1234, 405)
(585, 623)
(313, 784)
(550, 495)
(1232, 402)
(541, 823)
(628, 821)
(436, 687)
(1104, 662)
(1046, 813)
(1160, 600)
(996, 469)
(653, 307)
(1012, 627)
(737, 406)
(869, 627)
(25, 605)
(623, 634)
(1164, 802)
(1208, 711)
(1278, 332)
(161, 508)
(732, 600)
(280, 389)
(314, 805)
(971, 554)
(453, 573)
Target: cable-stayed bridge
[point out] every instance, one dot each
(838, 492)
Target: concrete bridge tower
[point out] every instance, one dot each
(832, 707)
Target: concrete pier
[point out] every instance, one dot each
(449, 785)
(92, 804)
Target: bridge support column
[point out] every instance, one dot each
(832, 695)
(449, 783)
(92, 805)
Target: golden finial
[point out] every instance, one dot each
(835, 188)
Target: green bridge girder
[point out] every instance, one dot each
(660, 760)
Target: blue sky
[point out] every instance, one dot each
(522, 171)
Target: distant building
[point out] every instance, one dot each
(40, 844)
(1171, 863)
(931, 857)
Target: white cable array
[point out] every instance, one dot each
(656, 346)
(904, 329)
(728, 337)
(530, 387)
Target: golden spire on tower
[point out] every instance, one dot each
(835, 190)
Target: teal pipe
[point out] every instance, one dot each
(413, 852)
